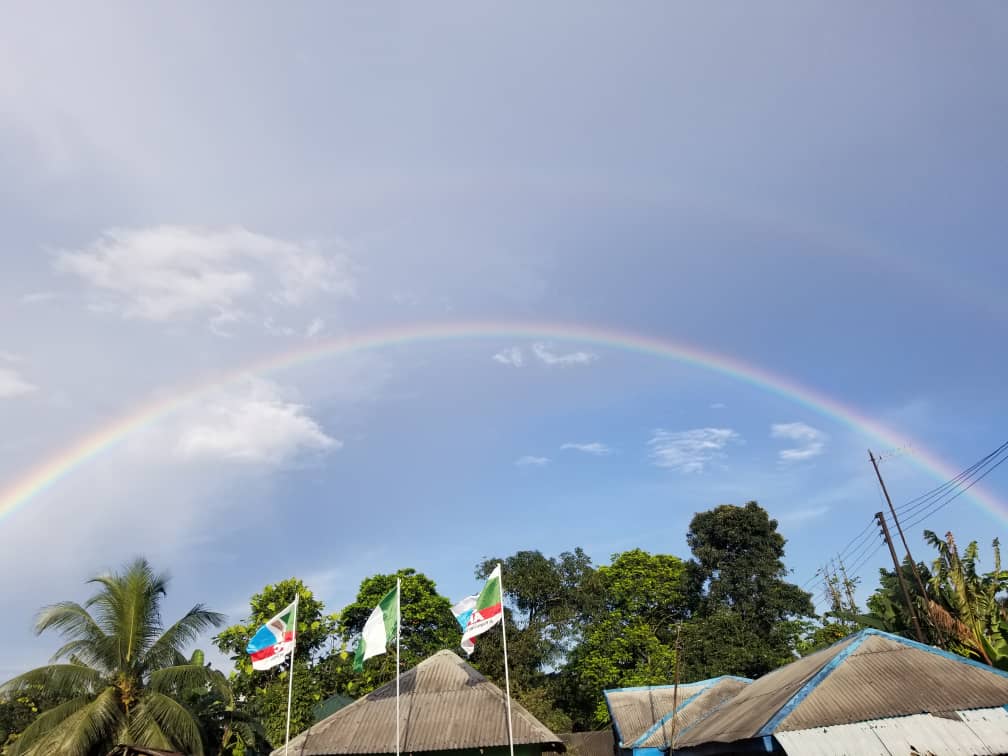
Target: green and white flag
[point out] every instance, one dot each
(379, 629)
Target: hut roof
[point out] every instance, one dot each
(643, 716)
(445, 705)
(868, 675)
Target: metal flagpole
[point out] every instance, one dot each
(507, 677)
(398, 622)
(290, 672)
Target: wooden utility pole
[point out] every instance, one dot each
(899, 529)
(899, 575)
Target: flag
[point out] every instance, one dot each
(274, 640)
(379, 629)
(462, 610)
(486, 613)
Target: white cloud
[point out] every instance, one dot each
(596, 448)
(530, 461)
(166, 272)
(811, 442)
(12, 384)
(38, 297)
(690, 451)
(10, 357)
(315, 328)
(512, 357)
(719, 405)
(803, 515)
(251, 424)
(542, 351)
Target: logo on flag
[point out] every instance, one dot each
(487, 611)
(275, 640)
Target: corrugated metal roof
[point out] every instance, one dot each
(753, 707)
(870, 675)
(691, 710)
(601, 743)
(983, 731)
(445, 704)
(635, 710)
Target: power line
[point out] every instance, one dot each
(957, 494)
(929, 497)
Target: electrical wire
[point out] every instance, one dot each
(937, 508)
(956, 483)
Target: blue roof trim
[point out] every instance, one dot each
(661, 722)
(934, 650)
(856, 640)
(638, 688)
(615, 724)
(706, 683)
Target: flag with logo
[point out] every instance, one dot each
(462, 610)
(487, 611)
(380, 628)
(274, 640)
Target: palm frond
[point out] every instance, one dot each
(182, 678)
(127, 605)
(92, 728)
(61, 679)
(38, 732)
(175, 721)
(167, 650)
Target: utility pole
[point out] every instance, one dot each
(892, 510)
(899, 575)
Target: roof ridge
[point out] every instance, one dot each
(813, 682)
(670, 715)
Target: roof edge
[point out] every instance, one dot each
(671, 715)
(935, 650)
(856, 640)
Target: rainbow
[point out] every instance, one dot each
(48, 473)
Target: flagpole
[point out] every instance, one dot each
(290, 672)
(398, 623)
(507, 676)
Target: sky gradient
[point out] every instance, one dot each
(191, 195)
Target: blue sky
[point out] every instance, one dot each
(812, 189)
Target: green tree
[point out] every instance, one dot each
(631, 634)
(547, 600)
(428, 626)
(748, 617)
(968, 607)
(122, 671)
(228, 728)
(263, 693)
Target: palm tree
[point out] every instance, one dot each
(120, 672)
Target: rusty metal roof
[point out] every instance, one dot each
(600, 743)
(445, 705)
(869, 675)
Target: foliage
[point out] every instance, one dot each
(631, 634)
(966, 608)
(428, 625)
(123, 671)
(264, 692)
(547, 600)
(747, 618)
